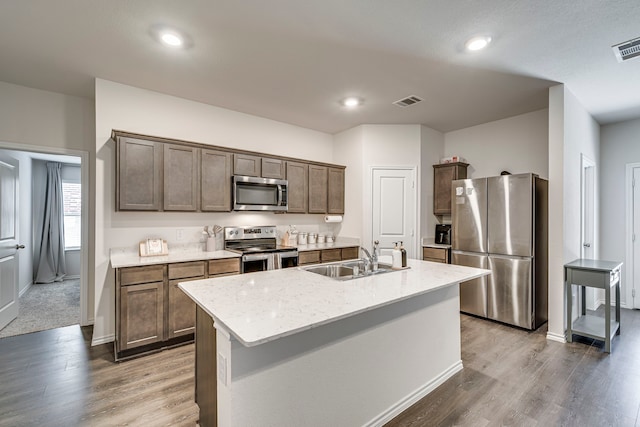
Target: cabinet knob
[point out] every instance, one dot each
(19, 246)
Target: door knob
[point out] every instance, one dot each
(19, 246)
(586, 245)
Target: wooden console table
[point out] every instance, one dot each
(595, 274)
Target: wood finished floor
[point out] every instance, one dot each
(510, 377)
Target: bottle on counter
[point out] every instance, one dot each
(403, 253)
(396, 257)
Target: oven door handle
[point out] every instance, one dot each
(290, 254)
(255, 257)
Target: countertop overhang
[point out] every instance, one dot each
(256, 308)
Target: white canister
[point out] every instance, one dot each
(321, 238)
(302, 238)
(211, 244)
(313, 238)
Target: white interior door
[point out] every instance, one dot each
(587, 215)
(635, 241)
(394, 209)
(8, 241)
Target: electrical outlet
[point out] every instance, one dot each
(180, 234)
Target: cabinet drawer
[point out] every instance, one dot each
(185, 270)
(308, 257)
(350, 253)
(329, 255)
(224, 266)
(146, 274)
(434, 253)
(435, 260)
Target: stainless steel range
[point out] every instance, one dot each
(259, 248)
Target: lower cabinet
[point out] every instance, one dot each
(436, 255)
(152, 312)
(327, 255)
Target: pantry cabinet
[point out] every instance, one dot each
(443, 175)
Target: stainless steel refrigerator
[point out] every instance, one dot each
(500, 223)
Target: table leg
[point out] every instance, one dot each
(607, 319)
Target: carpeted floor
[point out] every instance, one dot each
(46, 306)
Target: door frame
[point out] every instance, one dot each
(85, 317)
(416, 200)
(593, 297)
(627, 268)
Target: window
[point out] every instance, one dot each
(71, 196)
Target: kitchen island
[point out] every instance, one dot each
(293, 348)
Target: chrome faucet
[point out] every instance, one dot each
(371, 261)
(374, 258)
(368, 260)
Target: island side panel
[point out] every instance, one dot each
(361, 370)
(206, 380)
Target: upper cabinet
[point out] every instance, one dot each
(318, 181)
(181, 178)
(139, 164)
(245, 164)
(298, 191)
(443, 174)
(161, 174)
(215, 180)
(335, 191)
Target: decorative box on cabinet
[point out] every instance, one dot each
(443, 174)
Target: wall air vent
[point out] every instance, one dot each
(409, 100)
(627, 50)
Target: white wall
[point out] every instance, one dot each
(517, 144)
(620, 145)
(348, 147)
(37, 120)
(136, 110)
(431, 151)
(572, 132)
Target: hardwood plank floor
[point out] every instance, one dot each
(510, 377)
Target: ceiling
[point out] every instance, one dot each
(293, 61)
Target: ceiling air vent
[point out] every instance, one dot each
(627, 50)
(409, 100)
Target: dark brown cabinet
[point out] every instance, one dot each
(318, 189)
(436, 255)
(273, 168)
(215, 181)
(327, 255)
(298, 190)
(443, 174)
(180, 178)
(152, 312)
(335, 191)
(245, 164)
(139, 174)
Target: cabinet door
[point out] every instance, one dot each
(308, 257)
(272, 168)
(298, 190)
(244, 164)
(317, 189)
(335, 191)
(330, 255)
(226, 267)
(182, 310)
(141, 314)
(180, 177)
(442, 177)
(139, 175)
(215, 181)
(350, 253)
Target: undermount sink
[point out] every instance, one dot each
(347, 270)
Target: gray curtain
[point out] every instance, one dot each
(50, 261)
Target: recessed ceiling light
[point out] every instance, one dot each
(352, 102)
(171, 39)
(477, 43)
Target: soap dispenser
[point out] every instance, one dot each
(403, 253)
(396, 257)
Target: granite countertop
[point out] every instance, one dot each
(128, 258)
(429, 242)
(260, 307)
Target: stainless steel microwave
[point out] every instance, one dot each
(259, 194)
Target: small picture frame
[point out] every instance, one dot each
(153, 247)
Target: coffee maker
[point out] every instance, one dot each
(443, 234)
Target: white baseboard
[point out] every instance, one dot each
(26, 288)
(556, 337)
(103, 340)
(75, 276)
(418, 394)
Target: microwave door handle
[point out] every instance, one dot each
(279, 194)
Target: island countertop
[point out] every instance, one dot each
(260, 307)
